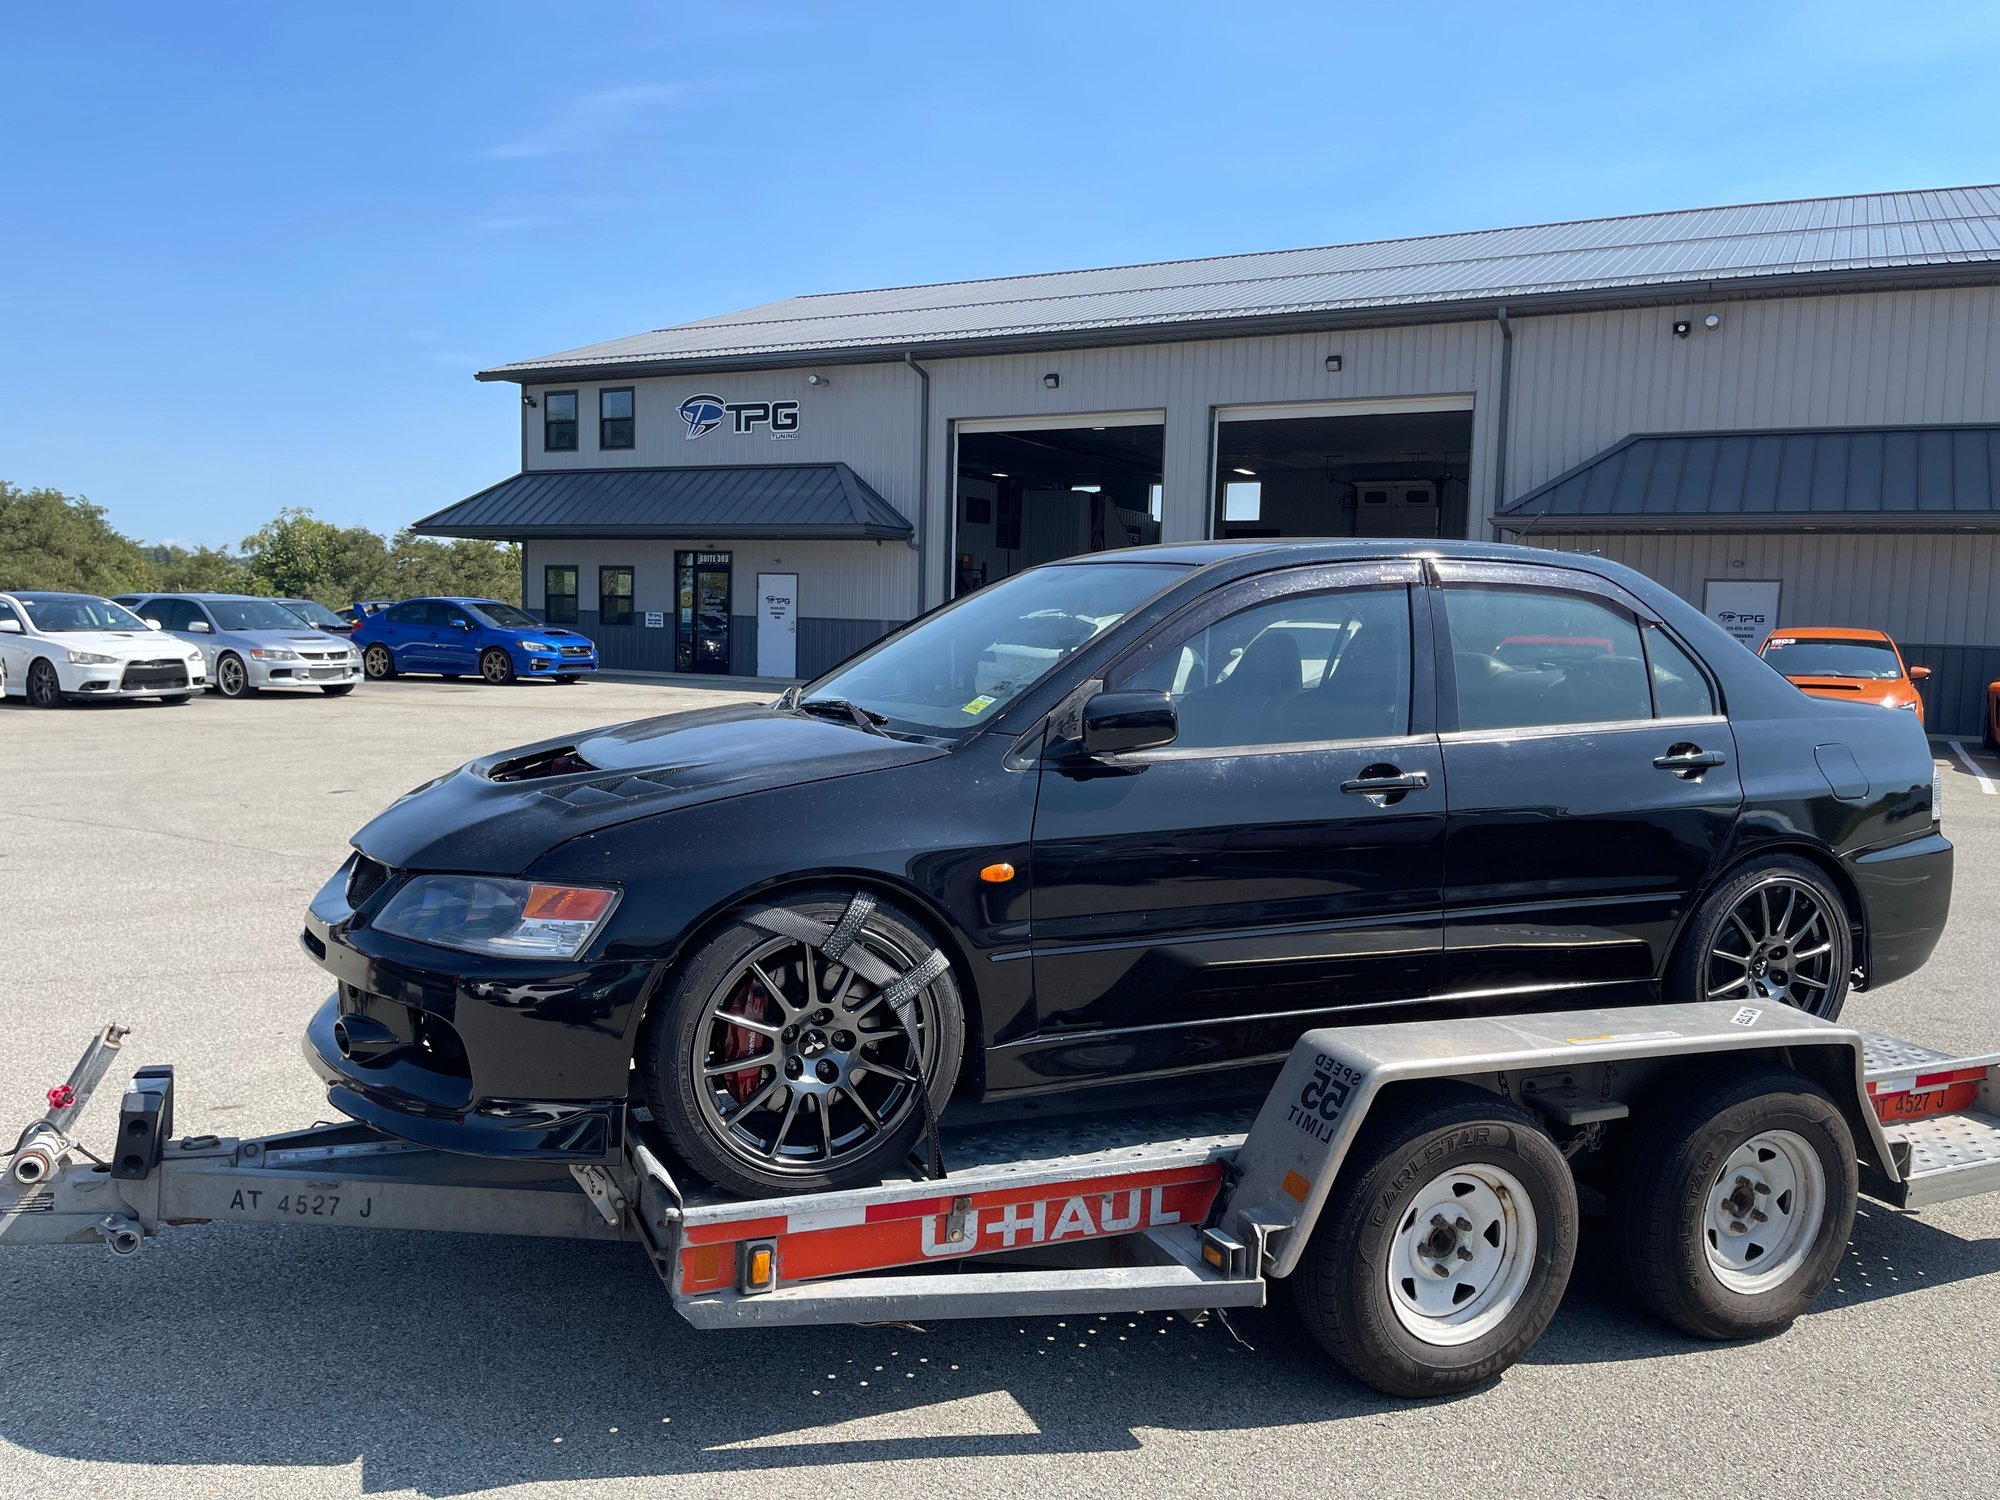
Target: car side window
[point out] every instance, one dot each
(173, 614)
(406, 614)
(1530, 658)
(1680, 691)
(1301, 669)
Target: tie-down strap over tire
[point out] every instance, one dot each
(836, 942)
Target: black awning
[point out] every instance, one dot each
(1831, 478)
(789, 502)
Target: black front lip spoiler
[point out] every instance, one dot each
(385, 1095)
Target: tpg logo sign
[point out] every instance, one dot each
(704, 413)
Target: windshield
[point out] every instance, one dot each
(252, 614)
(956, 669)
(505, 615)
(60, 616)
(1800, 657)
(315, 613)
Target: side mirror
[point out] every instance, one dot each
(151, 623)
(11, 627)
(1920, 674)
(199, 627)
(1114, 723)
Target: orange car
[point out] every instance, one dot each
(1859, 666)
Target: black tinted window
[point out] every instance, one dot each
(559, 421)
(1308, 667)
(413, 613)
(1679, 689)
(1527, 657)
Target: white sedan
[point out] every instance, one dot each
(58, 646)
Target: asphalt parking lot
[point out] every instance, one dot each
(153, 864)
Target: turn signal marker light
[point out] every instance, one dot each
(998, 874)
(566, 903)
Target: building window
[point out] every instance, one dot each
(559, 422)
(614, 596)
(1243, 500)
(614, 418)
(559, 594)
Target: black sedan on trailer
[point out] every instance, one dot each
(1143, 813)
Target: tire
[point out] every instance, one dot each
(378, 663)
(44, 689)
(1775, 950)
(496, 666)
(232, 678)
(1685, 1206)
(338, 689)
(751, 1130)
(1508, 1246)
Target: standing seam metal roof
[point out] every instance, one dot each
(792, 501)
(1934, 229)
(1835, 476)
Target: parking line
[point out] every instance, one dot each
(1985, 782)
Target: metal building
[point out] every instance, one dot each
(1788, 412)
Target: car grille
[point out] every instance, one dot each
(366, 878)
(324, 655)
(154, 674)
(576, 650)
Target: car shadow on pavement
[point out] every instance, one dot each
(448, 1364)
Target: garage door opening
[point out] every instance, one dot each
(1031, 494)
(1286, 472)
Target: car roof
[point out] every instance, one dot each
(54, 594)
(1830, 633)
(1332, 549)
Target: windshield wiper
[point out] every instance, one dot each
(840, 708)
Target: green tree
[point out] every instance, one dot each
(481, 570)
(205, 570)
(292, 556)
(49, 540)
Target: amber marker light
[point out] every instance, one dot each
(998, 874)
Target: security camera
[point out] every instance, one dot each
(527, 398)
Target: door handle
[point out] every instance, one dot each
(1400, 781)
(1683, 759)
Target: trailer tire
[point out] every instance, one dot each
(1686, 1205)
(1507, 1248)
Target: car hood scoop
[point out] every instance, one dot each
(499, 814)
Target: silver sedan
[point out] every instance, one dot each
(250, 644)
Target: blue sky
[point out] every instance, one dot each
(254, 253)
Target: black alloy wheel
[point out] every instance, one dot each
(1774, 934)
(44, 687)
(232, 678)
(774, 1068)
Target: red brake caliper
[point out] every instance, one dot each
(739, 1042)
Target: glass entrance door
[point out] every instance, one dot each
(701, 613)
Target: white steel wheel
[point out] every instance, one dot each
(1764, 1212)
(1443, 1250)
(1735, 1202)
(1463, 1255)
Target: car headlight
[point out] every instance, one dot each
(542, 646)
(503, 918)
(91, 659)
(275, 654)
(194, 658)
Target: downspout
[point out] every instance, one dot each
(923, 469)
(1504, 405)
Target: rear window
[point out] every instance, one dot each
(1803, 656)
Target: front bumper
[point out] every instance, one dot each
(151, 678)
(265, 674)
(487, 1057)
(551, 664)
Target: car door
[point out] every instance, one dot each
(454, 638)
(406, 630)
(14, 648)
(1591, 780)
(1282, 858)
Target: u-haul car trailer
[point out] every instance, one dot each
(1414, 1181)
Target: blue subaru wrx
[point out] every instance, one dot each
(464, 637)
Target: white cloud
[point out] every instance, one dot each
(588, 118)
